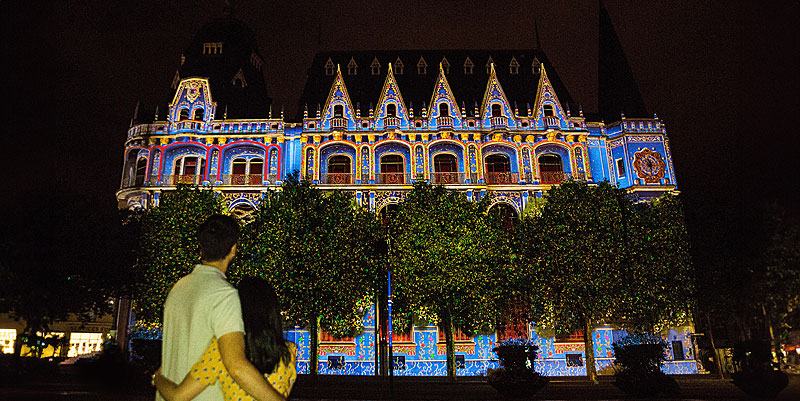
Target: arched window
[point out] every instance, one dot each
(548, 110)
(444, 110)
(255, 173)
(339, 170)
(188, 170)
(247, 172)
(497, 110)
(504, 214)
(338, 111)
(198, 114)
(141, 169)
(445, 167)
(387, 213)
(391, 110)
(392, 169)
(498, 169)
(183, 115)
(551, 169)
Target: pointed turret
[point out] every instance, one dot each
(495, 103)
(338, 105)
(548, 110)
(443, 101)
(390, 103)
(617, 89)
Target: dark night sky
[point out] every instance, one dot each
(720, 74)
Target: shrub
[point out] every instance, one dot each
(639, 358)
(516, 376)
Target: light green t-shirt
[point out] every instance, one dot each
(202, 305)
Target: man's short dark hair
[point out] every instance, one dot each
(217, 235)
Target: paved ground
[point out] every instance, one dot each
(67, 385)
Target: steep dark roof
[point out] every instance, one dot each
(238, 50)
(365, 88)
(617, 90)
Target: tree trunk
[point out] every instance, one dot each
(448, 336)
(776, 341)
(714, 348)
(313, 363)
(588, 344)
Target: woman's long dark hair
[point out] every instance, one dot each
(263, 326)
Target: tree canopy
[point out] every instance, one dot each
(448, 261)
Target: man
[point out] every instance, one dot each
(203, 305)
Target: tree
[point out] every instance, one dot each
(574, 247)
(57, 258)
(448, 261)
(601, 257)
(781, 283)
(659, 286)
(168, 247)
(321, 254)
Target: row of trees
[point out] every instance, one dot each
(582, 256)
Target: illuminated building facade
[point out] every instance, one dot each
(496, 124)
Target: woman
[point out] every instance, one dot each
(264, 347)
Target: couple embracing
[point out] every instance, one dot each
(220, 343)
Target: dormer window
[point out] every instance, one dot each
(375, 67)
(212, 48)
(398, 66)
(238, 79)
(352, 67)
(468, 66)
(255, 61)
(444, 110)
(198, 114)
(445, 65)
(497, 110)
(489, 63)
(329, 67)
(548, 110)
(535, 66)
(422, 66)
(391, 110)
(513, 67)
(338, 111)
(183, 115)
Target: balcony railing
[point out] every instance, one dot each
(189, 124)
(393, 178)
(336, 178)
(338, 122)
(502, 178)
(498, 122)
(551, 121)
(181, 179)
(448, 178)
(391, 122)
(444, 122)
(559, 177)
(242, 179)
